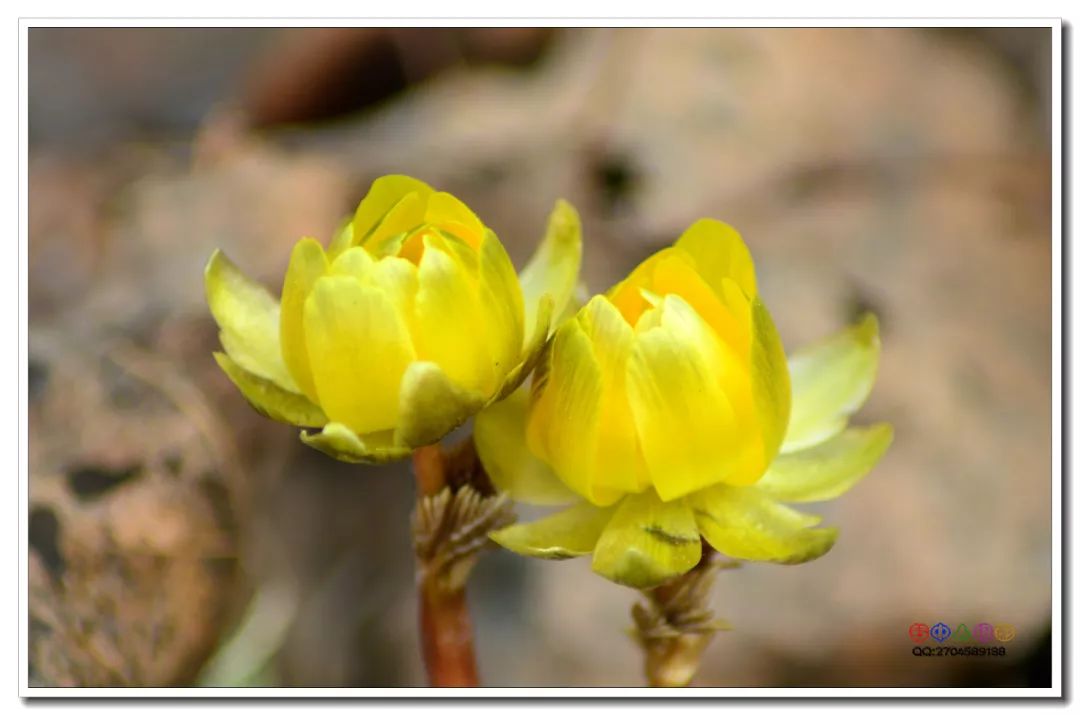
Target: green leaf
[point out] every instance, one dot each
(249, 318)
(741, 522)
(343, 444)
(431, 405)
(553, 268)
(827, 470)
(648, 542)
(563, 535)
(830, 380)
(499, 433)
(270, 399)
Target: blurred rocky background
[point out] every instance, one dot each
(179, 538)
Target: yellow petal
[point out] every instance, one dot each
(628, 295)
(269, 398)
(563, 535)
(341, 443)
(450, 214)
(359, 348)
(675, 273)
(341, 241)
(533, 354)
(384, 193)
(431, 405)
(355, 262)
(387, 237)
(741, 522)
(563, 423)
(499, 432)
(307, 265)
(449, 317)
(830, 380)
(647, 542)
(692, 404)
(827, 470)
(771, 384)
(618, 461)
(248, 317)
(719, 252)
(553, 268)
(500, 295)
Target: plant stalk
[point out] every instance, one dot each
(445, 628)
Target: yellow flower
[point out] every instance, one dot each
(668, 410)
(412, 320)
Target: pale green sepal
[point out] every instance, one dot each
(827, 470)
(830, 380)
(343, 444)
(249, 318)
(553, 268)
(648, 541)
(563, 535)
(532, 352)
(270, 399)
(499, 433)
(431, 405)
(743, 523)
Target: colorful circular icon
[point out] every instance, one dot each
(1004, 632)
(940, 632)
(918, 632)
(984, 632)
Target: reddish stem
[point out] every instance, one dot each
(446, 633)
(445, 627)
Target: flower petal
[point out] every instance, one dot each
(533, 353)
(499, 433)
(827, 470)
(269, 398)
(248, 317)
(829, 381)
(359, 348)
(431, 405)
(648, 541)
(619, 462)
(563, 422)
(563, 535)
(388, 237)
(553, 268)
(451, 214)
(771, 384)
(307, 264)
(341, 443)
(743, 523)
(501, 297)
(341, 241)
(719, 252)
(448, 316)
(384, 194)
(692, 403)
